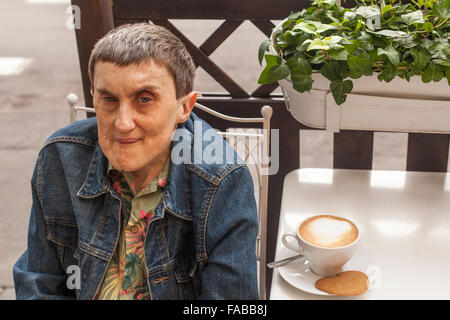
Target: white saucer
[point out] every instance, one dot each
(298, 274)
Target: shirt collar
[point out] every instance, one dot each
(159, 181)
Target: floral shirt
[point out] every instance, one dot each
(126, 278)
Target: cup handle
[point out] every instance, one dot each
(289, 245)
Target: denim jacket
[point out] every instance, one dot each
(200, 242)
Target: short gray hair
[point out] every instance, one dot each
(139, 42)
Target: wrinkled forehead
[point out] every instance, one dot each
(111, 76)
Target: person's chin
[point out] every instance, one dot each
(127, 168)
(122, 162)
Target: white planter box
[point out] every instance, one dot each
(373, 105)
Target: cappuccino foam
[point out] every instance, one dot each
(328, 231)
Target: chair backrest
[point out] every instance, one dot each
(253, 146)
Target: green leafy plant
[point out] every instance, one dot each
(384, 37)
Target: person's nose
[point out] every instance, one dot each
(125, 120)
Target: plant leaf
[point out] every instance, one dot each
(360, 65)
(350, 15)
(413, 17)
(288, 38)
(442, 8)
(305, 27)
(389, 73)
(421, 58)
(391, 53)
(317, 44)
(427, 43)
(275, 70)
(368, 12)
(341, 54)
(339, 90)
(331, 71)
(313, 27)
(432, 73)
(299, 65)
(302, 83)
(389, 33)
(442, 62)
(366, 45)
(385, 8)
(300, 70)
(320, 27)
(272, 60)
(406, 42)
(332, 39)
(318, 58)
(300, 39)
(427, 26)
(262, 49)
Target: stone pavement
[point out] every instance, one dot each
(33, 105)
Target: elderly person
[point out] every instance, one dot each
(113, 209)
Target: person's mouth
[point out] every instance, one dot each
(127, 140)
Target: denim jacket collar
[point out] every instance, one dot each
(176, 194)
(96, 182)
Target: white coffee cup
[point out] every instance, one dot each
(326, 257)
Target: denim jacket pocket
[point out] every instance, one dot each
(62, 233)
(65, 236)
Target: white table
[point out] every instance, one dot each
(404, 219)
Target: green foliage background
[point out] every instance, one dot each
(386, 37)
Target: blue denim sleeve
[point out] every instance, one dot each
(230, 271)
(38, 273)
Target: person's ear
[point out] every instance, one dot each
(92, 91)
(186, 104)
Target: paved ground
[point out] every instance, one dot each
(33, 105)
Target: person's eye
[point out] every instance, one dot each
(145, 99)
(108, 99)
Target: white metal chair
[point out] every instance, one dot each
(253, 146)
